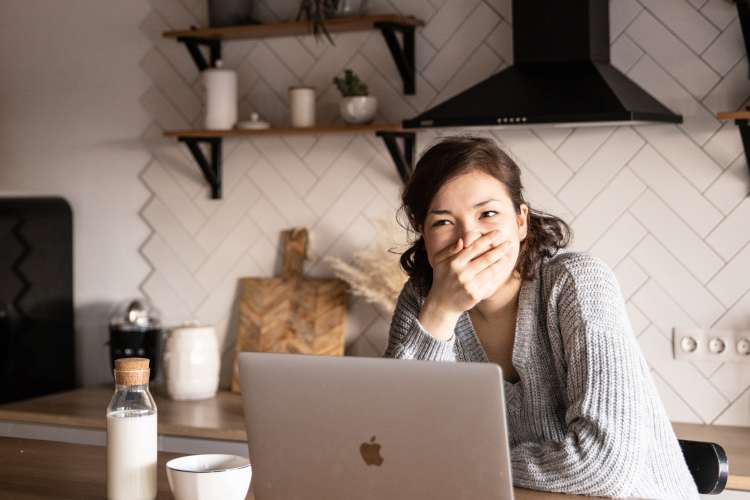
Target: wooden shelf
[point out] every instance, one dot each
(211, 165)
(734, 115)
(329, 129)
(401, 49)
(389, 25)
(292, 28)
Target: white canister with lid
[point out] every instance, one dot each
(221, 97)
(191, 362)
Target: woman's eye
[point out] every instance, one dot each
(491, 212)
(440, 222)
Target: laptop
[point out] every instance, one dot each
(346, 428)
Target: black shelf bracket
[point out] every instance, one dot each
(211, 168)
(403, 158)
(194, 47)
(744, 126)
(403, 55)
(743, 12)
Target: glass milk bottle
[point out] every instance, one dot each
(131, 434)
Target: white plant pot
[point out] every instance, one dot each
(358, 109)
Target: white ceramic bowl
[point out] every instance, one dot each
(358, 109)
(209, 477)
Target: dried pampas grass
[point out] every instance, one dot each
(374, 272)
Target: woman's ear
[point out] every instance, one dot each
(523, 221)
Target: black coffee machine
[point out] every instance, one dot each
(135, 332)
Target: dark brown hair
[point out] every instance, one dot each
(451, 157)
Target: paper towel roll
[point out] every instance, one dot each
(221, 97)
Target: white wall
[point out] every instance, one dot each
(665, 206)
(70, 125)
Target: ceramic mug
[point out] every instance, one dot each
(191, 362)
(209, 477)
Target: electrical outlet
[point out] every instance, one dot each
(695, 344)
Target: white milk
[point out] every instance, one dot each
(131, 457)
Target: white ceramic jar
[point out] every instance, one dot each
(191, 362)
(221, 97)
(302, 106)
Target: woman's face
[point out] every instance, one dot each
(469, 206)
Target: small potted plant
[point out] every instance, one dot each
(356, 106)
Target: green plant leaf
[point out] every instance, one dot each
(351, 85)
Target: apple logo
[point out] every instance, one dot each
(371, 452)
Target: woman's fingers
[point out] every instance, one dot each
(490, 274)
(487, 259)
(486, 281)
(449, 251)
(463, 285)
(480, 246)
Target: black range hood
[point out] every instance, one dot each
(561, 75)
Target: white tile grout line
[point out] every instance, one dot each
(677, 394)
(730, 405)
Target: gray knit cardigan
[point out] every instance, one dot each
(585, 416)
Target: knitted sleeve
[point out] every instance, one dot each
(408, 339)
(600, 453)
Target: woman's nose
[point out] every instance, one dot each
(470, 235)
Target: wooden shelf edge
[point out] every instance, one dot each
(292, 28)
(333, 129)
(733, 115)
(209, 159)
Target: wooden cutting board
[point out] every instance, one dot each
(291, 313)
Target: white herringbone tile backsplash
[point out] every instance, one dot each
(665, 206)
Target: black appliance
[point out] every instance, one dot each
(135, 332)
(37, 336)
(561, 74)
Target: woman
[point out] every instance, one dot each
(490, 283)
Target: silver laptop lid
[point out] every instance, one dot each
(344, 428)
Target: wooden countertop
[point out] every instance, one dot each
(222, 418)
(47, 470)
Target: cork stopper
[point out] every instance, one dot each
(131, 371)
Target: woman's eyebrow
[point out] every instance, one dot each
(439, 211)
(444, 211)
(484, 202)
